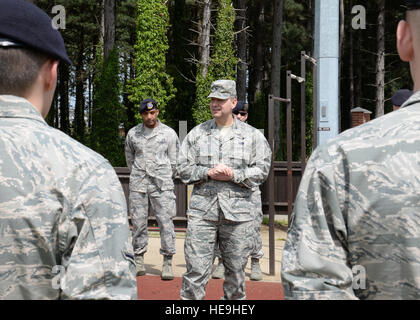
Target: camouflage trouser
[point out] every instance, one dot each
(200, 242)
(164, 208)
(257, 252)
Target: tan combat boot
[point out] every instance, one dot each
(140, 269)
(256, 274)
(167, 273)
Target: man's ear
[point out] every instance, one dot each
(405, 44)
(50, 69)
(234, 103)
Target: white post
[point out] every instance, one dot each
(327, 36)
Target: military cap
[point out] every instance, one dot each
(400, 97)
(23, 24)
(241, 106)
(147, 105)
(413, 4)
(223, 89)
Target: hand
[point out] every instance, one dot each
(221, 172)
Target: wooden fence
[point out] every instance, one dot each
(280, 192)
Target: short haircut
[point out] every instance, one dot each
(19, 68)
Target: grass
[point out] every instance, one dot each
(282, 224)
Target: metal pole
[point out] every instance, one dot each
(303, 110)
(271, 186)
(289, 146)
(315, 107)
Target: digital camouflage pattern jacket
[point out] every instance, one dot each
(63, 219)
(244, 149)
(355, 231)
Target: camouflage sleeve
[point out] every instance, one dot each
(255, 174)
(95, 242)
(173, 153)
(129, 152)
(314, 263)
(188, 170)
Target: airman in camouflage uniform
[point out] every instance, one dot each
(151, 152)
(64, 231)
(225, 159)
(355, 227)
(241, 113)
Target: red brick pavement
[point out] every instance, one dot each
(153, 288)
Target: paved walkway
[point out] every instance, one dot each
(151, 287)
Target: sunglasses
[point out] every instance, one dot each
(242, 113)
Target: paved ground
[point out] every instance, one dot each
(151, 287)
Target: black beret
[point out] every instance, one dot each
(413, 4)
(240, 106)
(400, 97)
(24, 24)
(147, 105)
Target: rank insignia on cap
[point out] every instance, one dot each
(150, 106)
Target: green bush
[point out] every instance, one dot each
(152, 80)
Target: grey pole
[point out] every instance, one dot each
(303, 111)
(271, 187)
(289, 145)
(290, 76)
(270, 181)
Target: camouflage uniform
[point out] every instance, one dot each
(221, 211)
(357, 211)
(257, 252)
(152, 162)
(62, 209)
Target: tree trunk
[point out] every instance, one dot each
(311, 25)
(380, 62)
(102, 25)
(64, 98)
(109, 26)
(276, 68)
(205, 38)
(257, 72)
(351, 72)
(91, 92)
(242, 49)
(342, 34)
(79, 123)
(130, 107)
